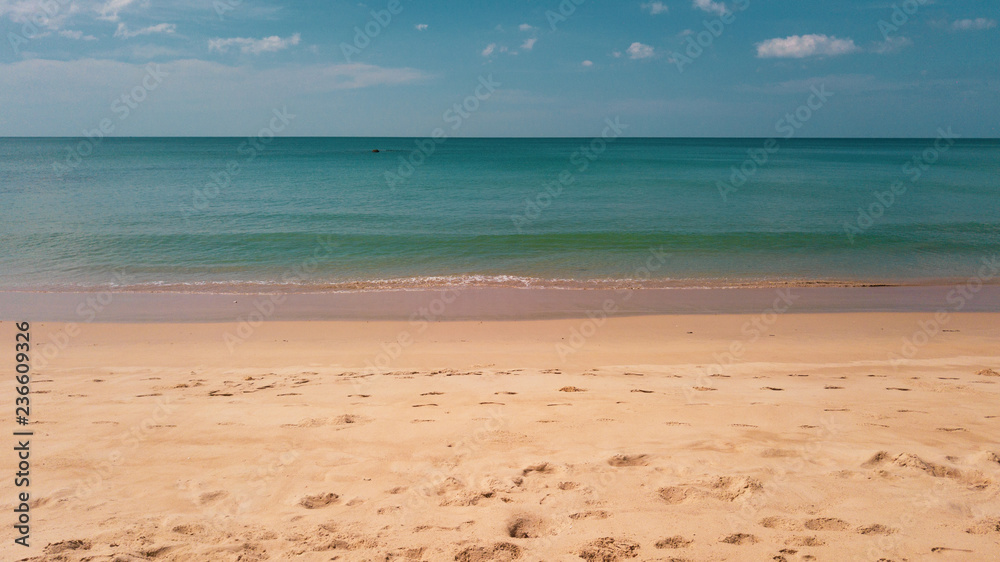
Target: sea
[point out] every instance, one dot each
(361, 214)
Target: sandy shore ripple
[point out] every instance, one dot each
(810, 437)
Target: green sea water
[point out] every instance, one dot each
(331, 214)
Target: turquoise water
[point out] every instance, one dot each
(321, 213)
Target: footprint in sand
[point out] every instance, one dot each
(771, 388)
(608, 549)
(805, 541)
(189, 529)
(673, 495)
(642, 391)
(156, 551)
(526, 527)
(423, 405)
(897, 388)
(629, 460)
(568, 485)
(986, 526)
(673, 542)
(827, 524)
(349, 419)
(740, 539)
(208, 497)
(541, 468)
(506, 392)
(833, 388)
(498, 552)
(319, 501)
(875, 529)
(782, 523)
(432, 394)
(63, 546)
(572, 389)
(591, 515)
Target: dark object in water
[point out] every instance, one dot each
(376, 150)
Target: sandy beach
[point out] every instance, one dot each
(668, 437)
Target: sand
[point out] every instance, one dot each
(805, 437)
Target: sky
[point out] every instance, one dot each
(478, 68)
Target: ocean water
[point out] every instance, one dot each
(330, 214)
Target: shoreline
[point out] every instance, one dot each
(453, 304)
(432, 283)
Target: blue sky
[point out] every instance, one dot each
(561, 67)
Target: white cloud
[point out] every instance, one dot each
(489, 49)
(710, 6)
(525, 27)
(971, 25)
(43, 13)
(801, 46)
(639, 51)
(529, 44)
(655, 8)
(250, 46)
(616, 54)
(421, 27)
(587, 63)
(197, 78)
(109, 10)
(123, 32)
(892, 45)
(76, 35)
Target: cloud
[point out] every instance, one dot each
(801, 46)
(639, 51)
(204, 80)
(587, 63)
(489, 49)
(249, 46)
(43, 13)
(892, 45)
(421, 27)
(76, 35)
(710, 6)
(655, 8)
(973, 25)
(529, 44)
(109, 10)
(525, 27)
(123, 32)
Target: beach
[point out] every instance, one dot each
(766, 436)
